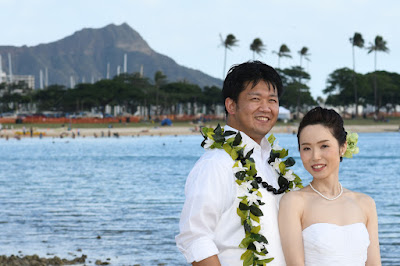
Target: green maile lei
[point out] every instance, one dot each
(249, 182)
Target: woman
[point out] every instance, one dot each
(324, 223)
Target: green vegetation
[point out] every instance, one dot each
(341, 82)
(128, 91)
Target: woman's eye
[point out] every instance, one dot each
(324, 146)
(306, 149)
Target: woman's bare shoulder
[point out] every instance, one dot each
(293, 196)
(364, 200)
(292, 204)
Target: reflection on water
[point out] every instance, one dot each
(121, 198)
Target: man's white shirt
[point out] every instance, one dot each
(209, 223)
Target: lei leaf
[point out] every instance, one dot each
(255, 218)
(250, 260)
(271, 139)
(243, 206)
(282, 167)
(237, 140)
(242, 214)
(289, 162)
(246, 255)
(264, 262)
(256, 229)
(256, 211)
(252, 170)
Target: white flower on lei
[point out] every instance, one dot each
(238, 167)
(259, 246)
(275, 164)
(289, 175)
(252, 198)
(244, 188)
(276, 146)
(208, 142)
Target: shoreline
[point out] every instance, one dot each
(63, 132)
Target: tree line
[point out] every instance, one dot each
(131, 91)
(128, 91)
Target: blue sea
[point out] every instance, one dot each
(119, 199)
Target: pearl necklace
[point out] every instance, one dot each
(319, 193)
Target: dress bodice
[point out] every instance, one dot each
(330, 244)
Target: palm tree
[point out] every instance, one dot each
(159, 80)
(284, 51)
(356, 40)
(378, 46)
(257, 47)
(303, 53)
(228, 43)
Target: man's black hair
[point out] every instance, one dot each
(239, 76)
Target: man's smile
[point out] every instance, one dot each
(262, 118)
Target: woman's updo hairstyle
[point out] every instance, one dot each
(326, 117)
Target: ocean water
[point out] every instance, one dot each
(119, 199)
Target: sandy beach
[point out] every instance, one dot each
(163, 131)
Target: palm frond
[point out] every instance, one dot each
(357, 40)
(257, 46)
(230, 41)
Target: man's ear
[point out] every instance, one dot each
(230, 106)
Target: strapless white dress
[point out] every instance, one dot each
(331, 245)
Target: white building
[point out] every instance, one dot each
(3, 77)
(28, 79)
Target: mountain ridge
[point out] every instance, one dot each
(86, 54)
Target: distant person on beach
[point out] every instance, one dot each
(211, 231)
(325, 223)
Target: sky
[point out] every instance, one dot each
(189, 31)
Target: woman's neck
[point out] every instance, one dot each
(328, 187)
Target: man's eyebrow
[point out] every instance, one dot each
(258, 93)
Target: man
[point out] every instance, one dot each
(210, 228)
